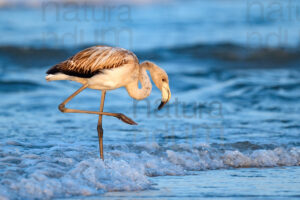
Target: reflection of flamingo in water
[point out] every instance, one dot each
(108, 68)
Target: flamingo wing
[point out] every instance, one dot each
(94, 60)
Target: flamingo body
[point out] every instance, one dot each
(101, 67)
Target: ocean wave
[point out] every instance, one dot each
(17, 86)
(65, 171)
(233, 55)
(230, 52)
(33, 56)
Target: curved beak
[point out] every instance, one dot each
(166, 95)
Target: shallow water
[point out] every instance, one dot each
(230, 131)
(253, 184)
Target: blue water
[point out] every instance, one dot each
(231, 129)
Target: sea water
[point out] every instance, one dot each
(231, 129)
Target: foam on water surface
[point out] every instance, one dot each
(75, 171)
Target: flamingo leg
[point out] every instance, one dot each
(63, 109)
(99, 126)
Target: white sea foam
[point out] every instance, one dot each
(75, 171)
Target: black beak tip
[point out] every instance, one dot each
(161, 105)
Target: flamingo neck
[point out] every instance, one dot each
(133, 88)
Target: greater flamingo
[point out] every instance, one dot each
(108, 68)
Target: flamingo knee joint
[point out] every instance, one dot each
(62, 107)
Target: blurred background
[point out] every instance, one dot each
(234, 74)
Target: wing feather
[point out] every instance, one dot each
(94, 60)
